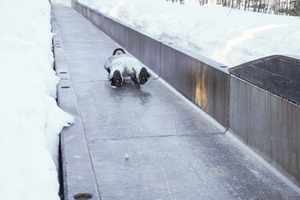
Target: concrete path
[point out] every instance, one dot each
(174, 151)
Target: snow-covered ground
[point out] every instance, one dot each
(228, 36)
(30, 118)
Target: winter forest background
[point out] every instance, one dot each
(278, 7)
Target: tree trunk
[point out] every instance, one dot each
(296, 8)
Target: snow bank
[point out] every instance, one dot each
(66, 3)
(30, 118)
(228, 36)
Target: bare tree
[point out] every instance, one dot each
(297, 8)
(245, 6)
(279, 7)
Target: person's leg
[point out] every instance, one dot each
(144, 76)
(140, 74)
(116, 75)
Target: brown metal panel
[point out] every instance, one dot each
(179, 70)
(268, 124)
(107, 24)
(200, 79)
(120, 33)
(238, 104)
(285, 126)
(95, 17)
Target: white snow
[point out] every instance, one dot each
(61, 3)
(228, 36)
(30, 118)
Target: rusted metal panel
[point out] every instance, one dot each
(201, 80)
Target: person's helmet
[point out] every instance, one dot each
(118, 49)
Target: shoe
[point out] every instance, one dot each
(143, 77)
(112, 83)
(117, 79)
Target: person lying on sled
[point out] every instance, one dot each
(120, 65)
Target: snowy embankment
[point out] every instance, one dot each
(228, 36)
(30, 118)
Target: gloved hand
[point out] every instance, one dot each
(108, 70)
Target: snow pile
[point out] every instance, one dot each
(228, 36)
(66, 3)
(30, 118)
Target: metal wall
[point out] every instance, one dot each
(267, 123)
(146, 48)
(199, 79)
(278, 74)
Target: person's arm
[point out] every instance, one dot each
(107, 64)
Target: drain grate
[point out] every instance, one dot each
(83, 196)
